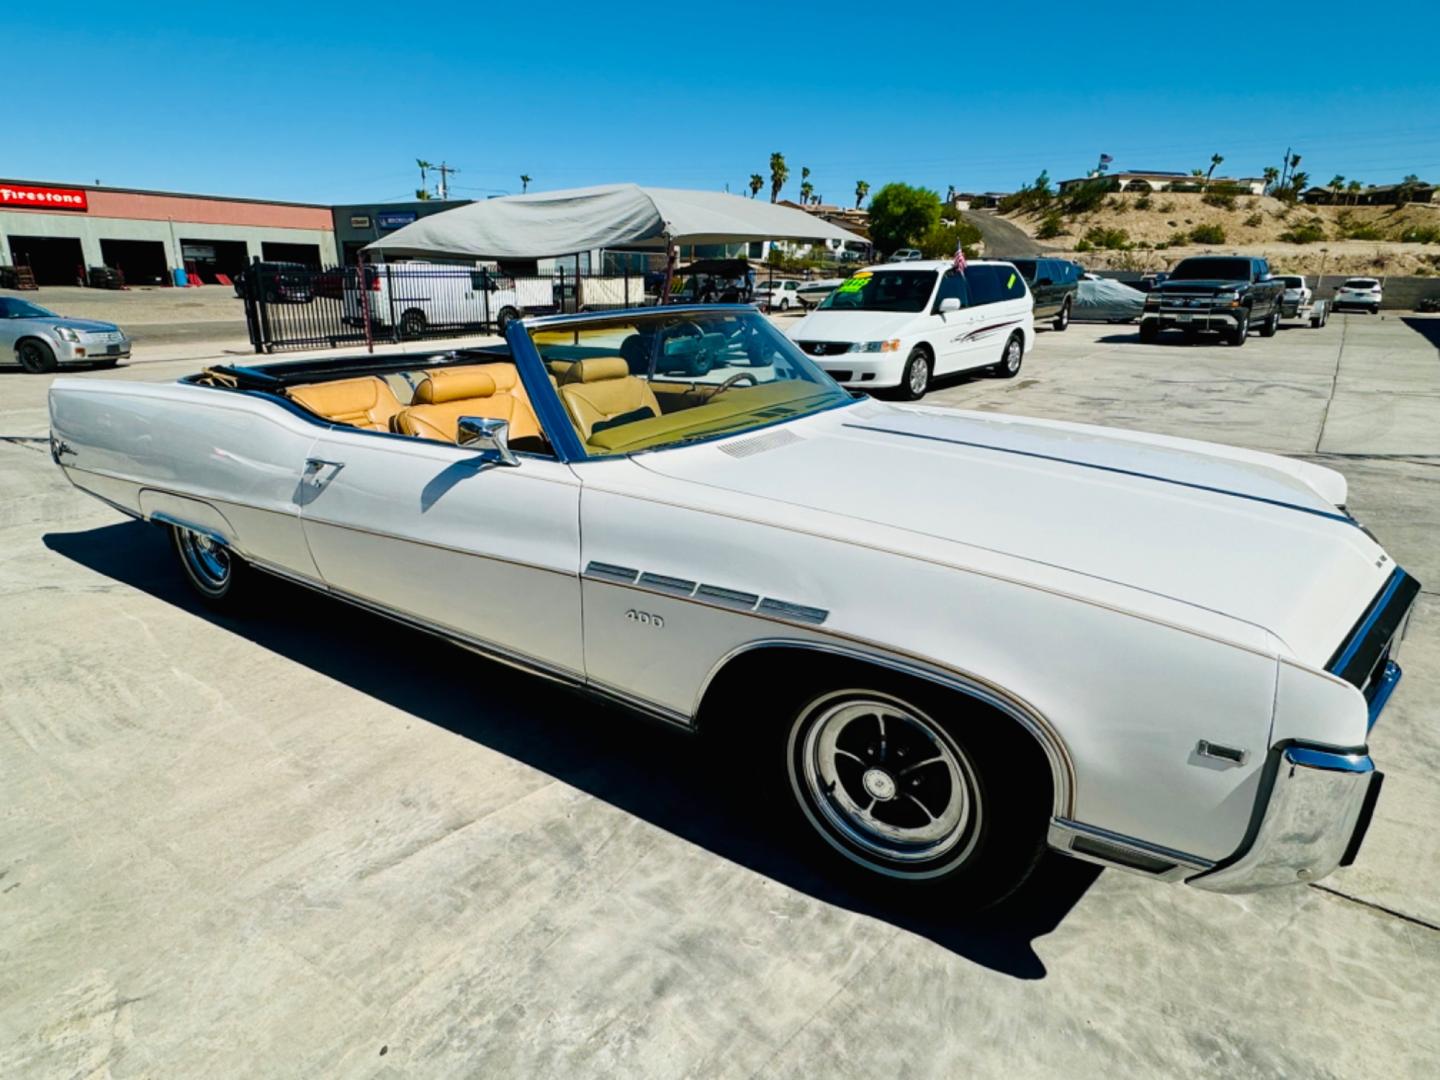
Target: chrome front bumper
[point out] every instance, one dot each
(1319, 807)
(1192, 318)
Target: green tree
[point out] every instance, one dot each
(779, 173)
(942, 238)
(422, 194)
(1405, 190)
(1336, 183)
(524, 183)
(900, 215)
(862, 188)
(756, 183)
(424, 166)
(1353, 189)
(807, 190)
(1272, 177)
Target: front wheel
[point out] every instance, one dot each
(916, 379)
(785, 304)
(900, 795)
(1010, 359)
(1241, 330)
(1149, 332)
(36, 357)
(412, 323)
(1062, 321)
(505, 318)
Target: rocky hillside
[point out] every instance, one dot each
(1151, 232)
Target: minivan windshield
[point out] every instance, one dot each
(1212, 270)
(883, 290)
(651, 381)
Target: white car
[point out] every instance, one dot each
(899, 325)
(1361, 292)
(907, 255)
(941, 640)
(1297, 293)
(778, 295)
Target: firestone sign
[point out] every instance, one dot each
(43, 198)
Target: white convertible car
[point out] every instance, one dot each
(950, 639)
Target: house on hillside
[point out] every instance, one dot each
(1143, 181)
(1381, 195)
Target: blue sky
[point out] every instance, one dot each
(333, 103)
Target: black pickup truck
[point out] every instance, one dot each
(1225, 293)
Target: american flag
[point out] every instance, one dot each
(1106, 159)
(959, 262)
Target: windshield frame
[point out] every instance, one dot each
(555, 420)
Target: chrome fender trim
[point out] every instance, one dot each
(1062, 769)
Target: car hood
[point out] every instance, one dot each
(1241, 535)
(87, 326)
(851, 325)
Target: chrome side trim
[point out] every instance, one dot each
(1112, 849)
(1062, 769)
(720, 596)
(662, 583)
(162, 518)
(716, 596)
(783, 609)
(601, 571)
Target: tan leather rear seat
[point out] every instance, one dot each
(447, 394)
(366, 402)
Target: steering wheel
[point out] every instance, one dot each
(728, 383)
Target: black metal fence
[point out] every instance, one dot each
(288, 306)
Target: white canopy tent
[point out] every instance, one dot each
(613, 216)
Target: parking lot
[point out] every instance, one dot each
(314, 843)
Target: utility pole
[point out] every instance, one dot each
(445, 171)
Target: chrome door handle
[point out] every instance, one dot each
(313, 467)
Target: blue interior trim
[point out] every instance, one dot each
(1332, 515)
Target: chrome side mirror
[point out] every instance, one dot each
(950, 303)
(489, 436)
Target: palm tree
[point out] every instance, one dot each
(1336, 183)
(422, 194)
(756, 183)
(1353, 190)
(1272, 176)
(807, 189)
(779, 173)
(1215, 159)
(862, 188)
(1298, 181)
(524, 183)
(424, 165)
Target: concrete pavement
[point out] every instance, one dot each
(309, 842)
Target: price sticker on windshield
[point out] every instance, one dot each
(855, 284)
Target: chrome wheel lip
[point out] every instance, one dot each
(919, 375)
(949, 837)
(207, 561)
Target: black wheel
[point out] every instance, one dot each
(505, 318)
(36, 357)
(1241, 330)
(219, 577)
(1375, 310)
(412, 323)
(1011, 358)
(1063, 319)
(785, 304)
(924, 791)
(915, 380)
(1271, 323)
(1149, 332)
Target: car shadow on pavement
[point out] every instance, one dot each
(659, 774)
(1429, 329)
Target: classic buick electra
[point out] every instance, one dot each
(951, 639)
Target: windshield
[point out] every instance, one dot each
(882, 290)
(1212, 270)
(649, 381)
(14, 308)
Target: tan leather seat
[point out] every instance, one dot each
(445, 395)
(601, 389)
(366, 402)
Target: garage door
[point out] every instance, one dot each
(304, 254)
(207, 259)
(141, 261)
(55, 260)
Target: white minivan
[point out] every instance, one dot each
(899, 325)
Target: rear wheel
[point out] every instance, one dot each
(412, 323)
(1063, 319)
(1271, 323)
(1010, 359)
(916, 379)
(1149, 332)
(36, 357)
(219, 577)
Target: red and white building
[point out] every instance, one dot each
(60, 230)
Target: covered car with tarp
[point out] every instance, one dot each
(1107, 300)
